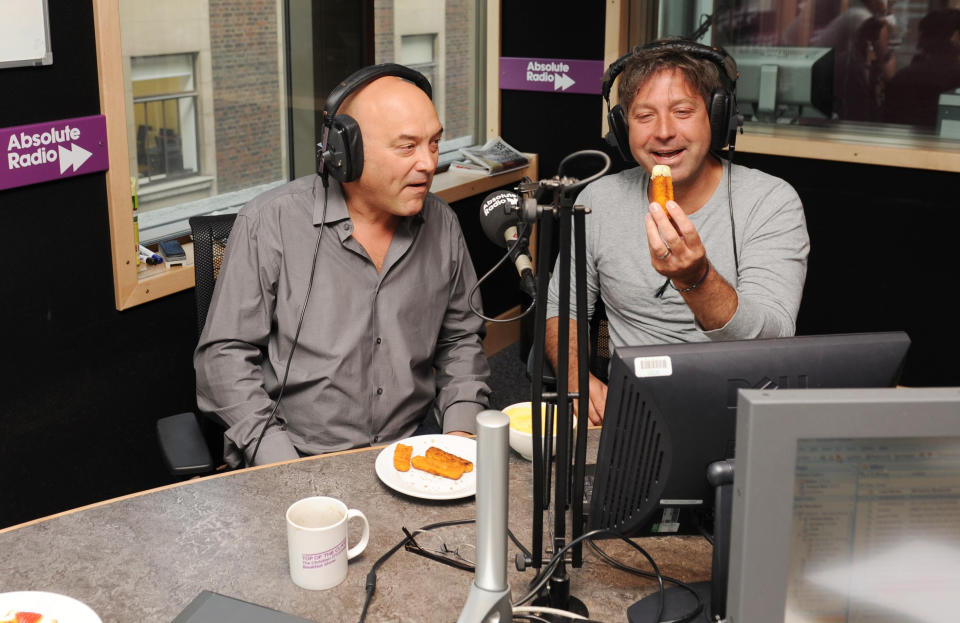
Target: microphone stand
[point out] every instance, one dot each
(562, 209)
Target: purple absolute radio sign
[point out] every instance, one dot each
(560, 75)
(46, 151)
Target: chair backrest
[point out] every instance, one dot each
(210, 235)
(599, 342)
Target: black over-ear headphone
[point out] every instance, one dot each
(724, 117)
(340, 153)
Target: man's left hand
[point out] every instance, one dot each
(676, 250)
(460, 433)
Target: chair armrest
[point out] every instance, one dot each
(182, 445)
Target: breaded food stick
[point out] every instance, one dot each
(662, 185)
(447, 470)
(401, 457)
(436, 454)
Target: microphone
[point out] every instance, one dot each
(498, 219)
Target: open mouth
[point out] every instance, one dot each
(665, 156)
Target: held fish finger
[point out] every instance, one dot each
(662, 185)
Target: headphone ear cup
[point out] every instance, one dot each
(343, 156)
(720, 115)
(617, 120)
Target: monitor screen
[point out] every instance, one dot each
(847, 506)
(782, 82)
(671, 408)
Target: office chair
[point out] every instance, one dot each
(183, 443)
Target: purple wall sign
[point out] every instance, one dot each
(46, 151)
(550, 74)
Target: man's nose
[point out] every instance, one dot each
(665, 128)
(426, 158)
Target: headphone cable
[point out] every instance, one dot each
(296, 335)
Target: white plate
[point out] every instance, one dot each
(420, 484)
(51, 605)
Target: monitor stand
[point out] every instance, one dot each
(679, 603)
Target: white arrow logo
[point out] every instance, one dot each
(75, 156)
(562, 82)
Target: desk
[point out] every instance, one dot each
(145, 557)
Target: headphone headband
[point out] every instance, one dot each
(717, 55)
(366, 75)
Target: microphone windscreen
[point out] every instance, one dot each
(497, 213)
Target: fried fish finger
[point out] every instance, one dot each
(662, 185)
(401, 457)
(447, 470)
(436, 454)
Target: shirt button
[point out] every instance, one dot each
(379, 340)
(379, 391)
(346, 227)
(376, 438)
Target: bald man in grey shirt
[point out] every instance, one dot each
(388, 340)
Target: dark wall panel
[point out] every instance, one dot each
(82, 383)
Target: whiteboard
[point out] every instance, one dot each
(24, 33)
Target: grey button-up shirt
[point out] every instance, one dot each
(376, 351)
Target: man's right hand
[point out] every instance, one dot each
(598, 398)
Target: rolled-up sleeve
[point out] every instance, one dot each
(461, 364)
(229, 359)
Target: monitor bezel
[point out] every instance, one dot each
(769, 425)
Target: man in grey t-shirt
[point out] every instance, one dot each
(730, 260)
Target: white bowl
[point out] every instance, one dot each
(521, 434)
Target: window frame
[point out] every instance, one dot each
(129, 289)
(628, 20)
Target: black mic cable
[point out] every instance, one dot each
(296, 335)
(533, 303)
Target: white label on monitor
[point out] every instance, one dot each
(652, 366)
(681, 502)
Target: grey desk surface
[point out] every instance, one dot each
(145, 557)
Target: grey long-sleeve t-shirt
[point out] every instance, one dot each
(376, 351)
(772, 247)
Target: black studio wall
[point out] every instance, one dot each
(83, 384)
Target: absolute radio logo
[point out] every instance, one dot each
(38, 148)
(53, 149)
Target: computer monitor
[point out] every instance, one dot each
(847, 506)
(671, 411)
(784, 83)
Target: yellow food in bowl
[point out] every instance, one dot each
(521, 418)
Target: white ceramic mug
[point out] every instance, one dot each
(317, 541)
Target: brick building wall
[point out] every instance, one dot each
(383, 27)
(246, 83)
(460, 45)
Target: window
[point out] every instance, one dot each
(165, 114)
(440, 39)
(881, 77)
(222, 100)
(419, 52)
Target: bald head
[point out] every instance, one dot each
(380, 96)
